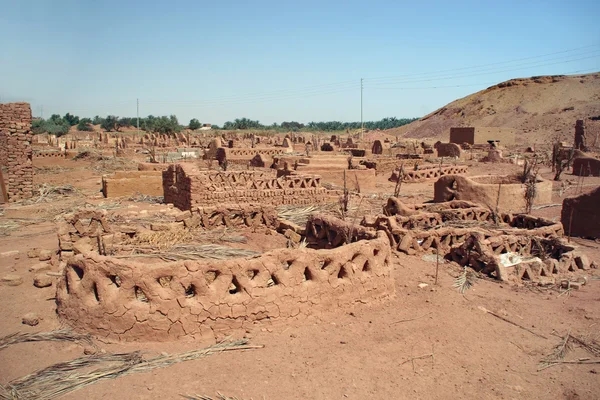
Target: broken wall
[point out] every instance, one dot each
(125, 300)
(15, 149)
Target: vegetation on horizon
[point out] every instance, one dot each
(59, 126)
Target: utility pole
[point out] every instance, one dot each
(362, 125)
(42, 111)
(138, 115)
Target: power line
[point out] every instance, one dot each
(482, 65)
(493, 71)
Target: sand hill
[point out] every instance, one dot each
(539, 108)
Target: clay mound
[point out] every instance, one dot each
(540, 107)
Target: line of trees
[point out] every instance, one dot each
(385, 123)
(59, 126)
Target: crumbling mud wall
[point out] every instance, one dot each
(428, 172)
(130, 301)
(15, 149)
(129, 183)
(230, 216)
(324, 231)
(470, 235)
(486, 189)
(245, 155)
(185, 186)
(586, 166)
(580, 216)
(448, 150)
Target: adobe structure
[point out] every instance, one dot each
(507, 192)
(586, 166)
(15, 150)
(580, 215)
(580, 139)
(125, 300)
(186, 186)
(481, 135)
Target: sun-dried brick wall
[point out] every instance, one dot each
(15, 149)
(428, 172)
(467, 235)
(185, 187)
(132, 301)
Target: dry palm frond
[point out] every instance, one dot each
(299, 215)
(566, 344)
(195, 252)
(163, 239)
(203, 397)
(146, 198)
(465, 280)
(60, 379)
(54, 336)
(560, 350)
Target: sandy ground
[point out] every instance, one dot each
(356, 353)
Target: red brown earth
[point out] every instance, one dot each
(360, 352)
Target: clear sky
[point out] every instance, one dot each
(282, 60)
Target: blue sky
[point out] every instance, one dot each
(281, 60)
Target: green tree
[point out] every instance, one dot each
(85, 124)
(110, 123)
(194, 124)
(97, 120)
(72, 120)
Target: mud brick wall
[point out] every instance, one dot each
(185, 187)
(580, 215)
(586, 166)
(580, 139)
(484, 190)
(130, 183)
(230, 215)
(243, 155)
(462, 135)
(477, 245)
(330, 232)
(428, 172)
(15, 149)
(130, 301)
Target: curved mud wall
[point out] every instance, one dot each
(132, 301)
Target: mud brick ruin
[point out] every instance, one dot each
(133, 301)
(542, 256)
(185, 186)
(580, 215)
(130, 183)
(586, 166)
(580, 138)
(15, 149)
(428, 172)
(507, 192)
(481, 135)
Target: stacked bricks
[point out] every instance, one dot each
(428, 172)
(185, 187)
(15, 149)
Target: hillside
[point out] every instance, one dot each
(540, 108)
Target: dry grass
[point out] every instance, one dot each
(162, 240)
(63, 378)
(204, 397)
(566, 344)
(53, 336)
(192, 252)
